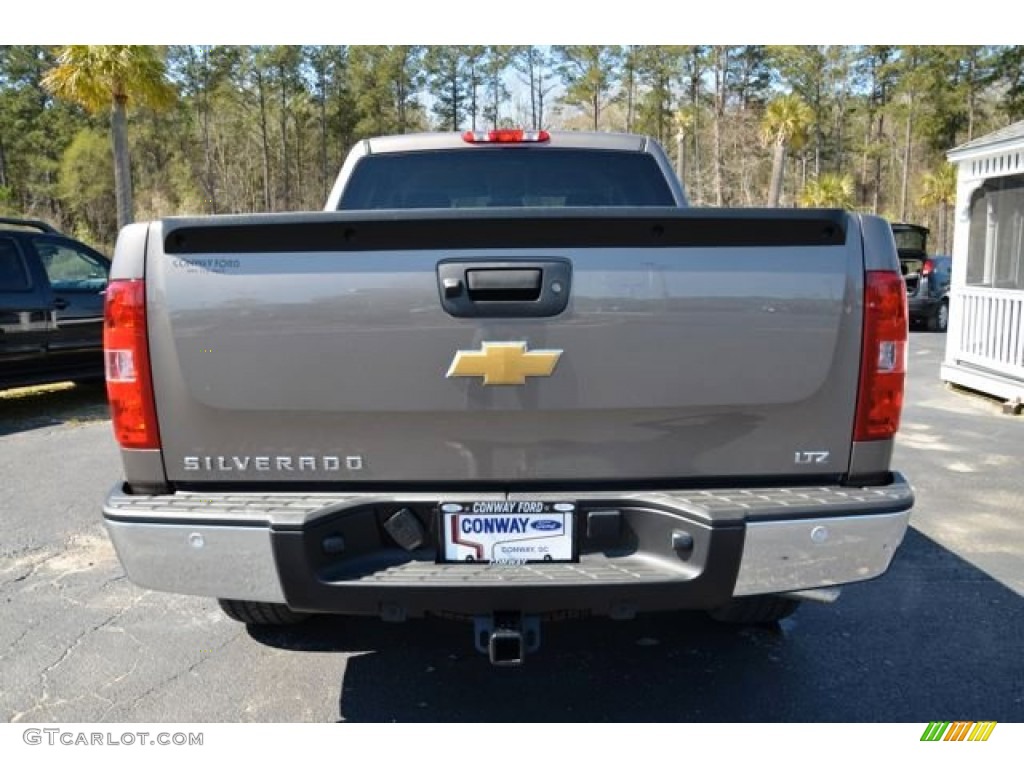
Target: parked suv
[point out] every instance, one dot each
(51, 305)
(927, 277)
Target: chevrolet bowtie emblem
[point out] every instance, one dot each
(504, 362)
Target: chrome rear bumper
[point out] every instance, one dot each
(267, 547)
(793, 555)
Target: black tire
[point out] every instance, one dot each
(757, 609)
(939, 322)
(263, 614)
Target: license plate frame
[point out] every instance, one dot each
(507, 532)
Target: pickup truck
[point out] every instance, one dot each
(51, 305)
(507, 376)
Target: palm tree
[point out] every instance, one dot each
(830, 190)
(100, 77)
(785, 125)
(939, 188)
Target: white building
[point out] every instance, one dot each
(985, 342)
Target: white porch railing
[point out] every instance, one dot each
(991, 332)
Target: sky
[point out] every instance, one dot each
(680, 22)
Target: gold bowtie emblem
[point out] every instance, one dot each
(504, 362)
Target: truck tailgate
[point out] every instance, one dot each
(314, 348)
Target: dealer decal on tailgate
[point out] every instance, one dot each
(508, 532)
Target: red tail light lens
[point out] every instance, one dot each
(505, 136)
(126, 359)
(928, 268)
(883, 365)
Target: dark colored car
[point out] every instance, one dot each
(51, 305)
(927, 277)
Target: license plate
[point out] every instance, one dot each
(508, 532)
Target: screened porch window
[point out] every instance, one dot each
(995, 250)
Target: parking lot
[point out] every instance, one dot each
(939, 637)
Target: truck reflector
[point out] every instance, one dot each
(126, 362)
(119, 365)
(883, 357)
(505, 136)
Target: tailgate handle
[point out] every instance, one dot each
(503, 284)
(504, 287)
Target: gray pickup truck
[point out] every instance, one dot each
(507, 376)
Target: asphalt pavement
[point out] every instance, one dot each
(939, 637)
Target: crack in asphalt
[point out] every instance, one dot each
(177, 675)
(33, 568)
(68, 545)
(43, 702)
(18, 639)
(35, 622)
(27, 550)
(111, 703)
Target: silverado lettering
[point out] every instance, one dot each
(269, 463)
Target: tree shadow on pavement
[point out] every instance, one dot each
(33, 407)
(934, 639)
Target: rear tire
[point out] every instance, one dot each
(756, 609)
(262, 614)
(939, 322)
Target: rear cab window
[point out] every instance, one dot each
(519, 177)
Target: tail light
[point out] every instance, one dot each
(928, 268)
(126, 360)
(505, 136)
(883, 365)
